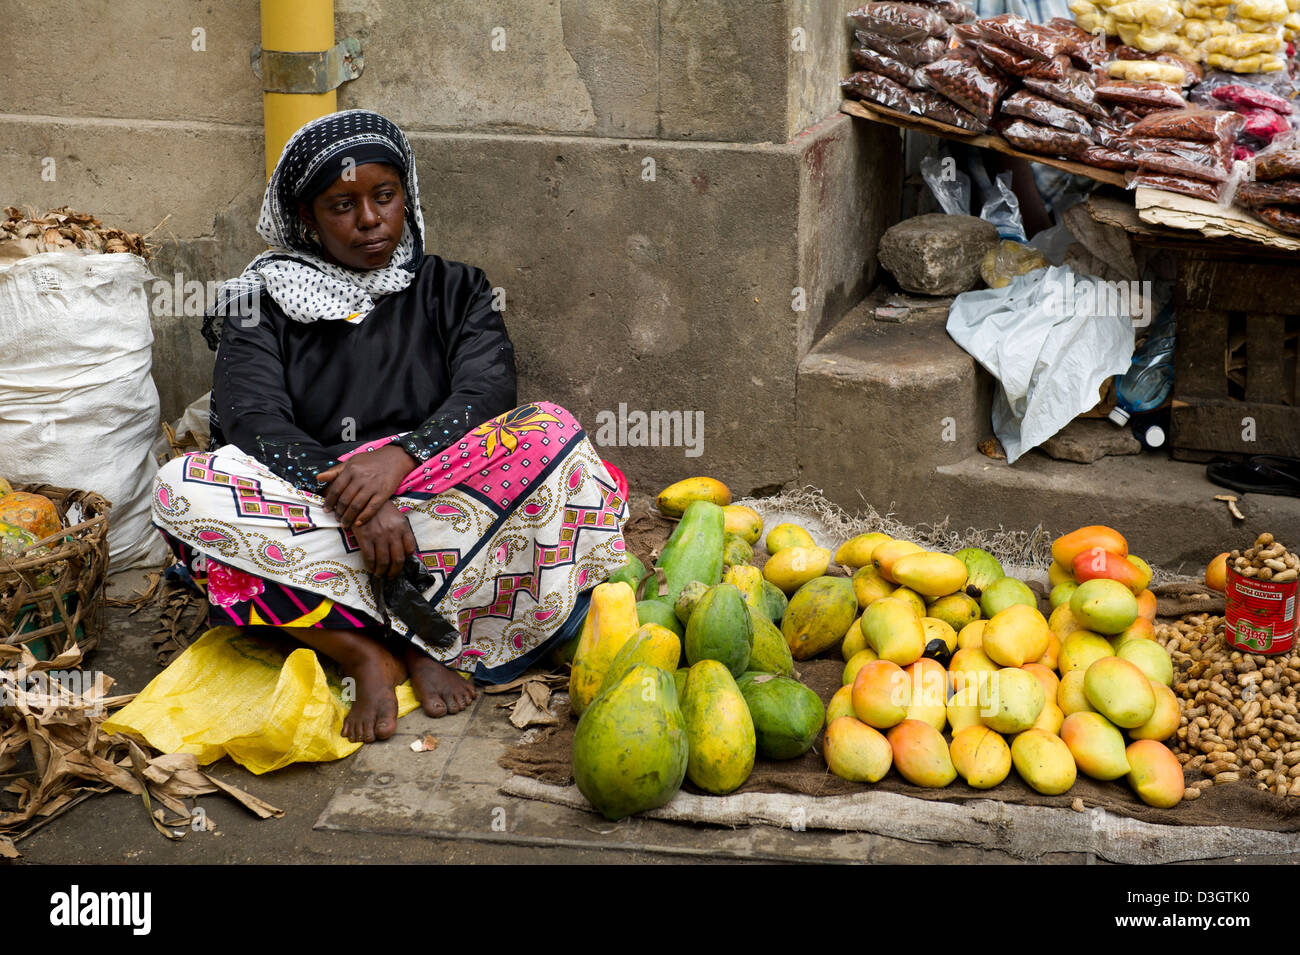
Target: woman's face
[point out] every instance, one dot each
(359, 220)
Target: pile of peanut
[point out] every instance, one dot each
(1239, 714)
(1266, 560)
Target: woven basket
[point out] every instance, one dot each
(53, 600)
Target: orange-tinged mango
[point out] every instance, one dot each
(1062, 622)
(1046, 678)
(980, 756)
(1156, 775)
(929, 692)
(1051, 657)
(1095, 563)
(1146, 602)
(1164, 718)
(1216, 573)
(1069, 546)
(1096, 745)
(881, 693)
(888, 553)
(1139, 629)
(856, 752)
(921, 755)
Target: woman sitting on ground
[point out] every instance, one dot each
(371, 488)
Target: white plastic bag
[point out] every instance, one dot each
(78, 407)
(1051, 338)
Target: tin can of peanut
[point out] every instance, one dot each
(1260, 615)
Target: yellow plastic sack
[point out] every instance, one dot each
(1155, 13)
(1146, 71)
(1243, 44)
(1268, 10)
(243, 696)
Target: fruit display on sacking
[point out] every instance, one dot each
(950, 669)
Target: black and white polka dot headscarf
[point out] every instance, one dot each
(305, 286)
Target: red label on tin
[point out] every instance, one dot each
(1260, 615)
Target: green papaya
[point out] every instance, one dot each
(787, 715)
(719, 728)
(630, 573)
(771, 654)
(654, 611)
(679, 680)
(736, 551)
(775, 600)
(694, 551)
(630, 750)
(720, 629)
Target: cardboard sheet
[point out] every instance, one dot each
(1183, 212)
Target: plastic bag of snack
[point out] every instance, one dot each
(1280, 218)
(868, 59)
(1147, 71)
(1262, 126)
(1105, 158)
(1008, 259)
(1087, 50)
(1076, 91)
(1239, 95)
(1156, 13)
(1042, 140)
(1149, 39)
(1279, 162)
(1191, 122)
(912, 52)
(1243, 45)
(1026, 105)
(1110, 136)
(933, 106)
(1283, 192)
(1196, 188)
(1218, 153)
(1270, 11)
(1192, 71)
(900, 21)
(962, 77)
(1258, 63)
(1192, 166)
(880, 90)
(1023, 36)
(953, 11)
(1131, 93)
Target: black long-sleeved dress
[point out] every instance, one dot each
(433, 360)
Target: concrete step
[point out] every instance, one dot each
(878, 402)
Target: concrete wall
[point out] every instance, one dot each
(671, 293)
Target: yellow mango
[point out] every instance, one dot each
(1057, 575)
(956, 610)
(929, 692)
(856, 551)
(980, 756)
(856, 663)
(1070, 696)
(611, 621)
(1011, 700)
(1062, 622)
(938, 630)
(971, 635)
(894, 631)
(1050, 720)
(1044, 762)
(1149, 657)
(856, 752)
(1052, 655)
(1103, 605)
(970, 667)
(673, 499)
(1046, 679)
(841, 704)
(788, 535)
(854, 640)
(930, 573)
(1082, 649)
(964, 709)
(1164, 718)
(1015, 636)
(912, 598)
(869, 586)
(742, 521)
(792, 567)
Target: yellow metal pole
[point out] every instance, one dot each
(294, 26)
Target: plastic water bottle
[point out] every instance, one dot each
(1150, 377)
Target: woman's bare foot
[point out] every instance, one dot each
(374, 672)
(440, 691)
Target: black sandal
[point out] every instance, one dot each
(1258, 474)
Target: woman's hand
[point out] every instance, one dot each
(364, 483)
(386, 541)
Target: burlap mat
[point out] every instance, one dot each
(548, 758)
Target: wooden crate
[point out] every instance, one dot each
(1236, 377)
